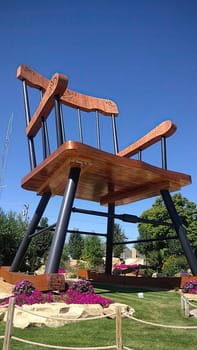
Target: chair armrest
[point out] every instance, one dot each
(56, 87)
(165, 129)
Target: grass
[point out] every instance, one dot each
(156, 306)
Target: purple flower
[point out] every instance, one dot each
(82, 286)
(76, 297)
(23, 286)
(61, 271)
(190, 287)
(80, 292)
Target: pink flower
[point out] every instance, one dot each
(80, 292)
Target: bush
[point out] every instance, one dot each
(23, 286)
(82, 286)
(76, 297)
(173, 265)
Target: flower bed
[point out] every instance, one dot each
(79, 292)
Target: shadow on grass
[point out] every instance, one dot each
(111, 288)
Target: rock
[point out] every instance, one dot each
(37, 315)
(3, 296)
(40, 271)
(193, 313)
(3, 311)
(125, 309)
(92, 310)
(58, 314)
(5, 287)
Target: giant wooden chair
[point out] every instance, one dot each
(78, 170)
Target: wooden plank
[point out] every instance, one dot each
(127, 193)
(167, 128)
(70, 98)
(104, 177)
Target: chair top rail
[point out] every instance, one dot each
(165, 129)
(70, 98)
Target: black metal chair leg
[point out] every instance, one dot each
(31, 229)
(109, 243)
(181, 232)
(63, 222)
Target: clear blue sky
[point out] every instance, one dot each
(140, 53)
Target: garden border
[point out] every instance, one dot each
(164, 283)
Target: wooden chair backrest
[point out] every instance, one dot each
(54, 93)
(71, 98)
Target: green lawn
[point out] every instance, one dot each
(156, 306)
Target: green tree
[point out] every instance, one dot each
(159, 251)
(65, 256)
(119, 236)
(92, 251)
(173, 265)
(75, 245)
(12, 228)
(39, 248)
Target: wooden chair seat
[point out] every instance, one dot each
(104, 177)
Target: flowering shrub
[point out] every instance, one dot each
(62, 271)
(80, 292)
(123, 268)
(82, 286)
(76, 297)
(23, 286)
(37, 297)
(190, 287)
